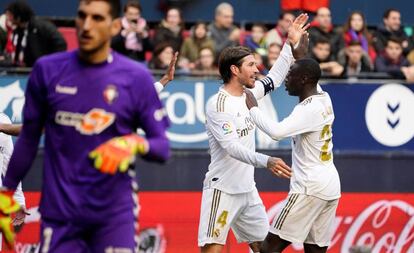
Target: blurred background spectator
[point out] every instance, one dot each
(354, 60)
(322, 27)
(205, 64)
(279, 33)
(355, 29)
(133, 39)
(170, 29)
(391, 27)
(273, 52)
(31, 37)
(192, 45)
(161, 58)
(256, 39)
(392, 59)
(223, 32)
(321, 52)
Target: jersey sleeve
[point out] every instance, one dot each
(19, 196)
(223, 129)
(34, 116)
(158, 87)
(276, 75)
(152, 118)
(303, 119)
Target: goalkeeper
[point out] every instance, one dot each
(90, 103)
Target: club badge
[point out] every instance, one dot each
(110, 93)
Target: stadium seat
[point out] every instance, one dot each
(69, 34)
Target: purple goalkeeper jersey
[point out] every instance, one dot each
(80, 106)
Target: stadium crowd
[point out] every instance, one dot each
(348, 50)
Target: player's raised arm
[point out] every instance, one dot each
(281, 67)
(168, 76)
(299, 121)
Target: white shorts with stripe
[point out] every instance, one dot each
(244, 213)
(306, 219)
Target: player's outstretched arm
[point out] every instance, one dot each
(299, 121)
(11, 129)
(168, 76)
(280, 68)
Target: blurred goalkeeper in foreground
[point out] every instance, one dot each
(90, 103)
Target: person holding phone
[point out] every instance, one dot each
(133, 40)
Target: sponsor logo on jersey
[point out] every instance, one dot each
(388, 115)
(66, 89)
(226, 128)
(93, 122)
(110, 93)
(249, 127)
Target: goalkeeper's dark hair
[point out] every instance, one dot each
(231, 56)
(114, 4)
(310, 69)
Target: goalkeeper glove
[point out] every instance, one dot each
(8, 206)
(118, 153)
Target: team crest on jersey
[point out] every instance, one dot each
(226, 128)
(110, 93)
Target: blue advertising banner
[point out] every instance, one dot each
(369, 116)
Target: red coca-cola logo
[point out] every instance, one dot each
(384, 226)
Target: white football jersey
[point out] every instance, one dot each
(6, 150)
(231, 133)
(310, 126)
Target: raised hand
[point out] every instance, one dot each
(297, 28)
(303, 47)
(169, 75)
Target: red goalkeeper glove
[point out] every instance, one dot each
(8, 206)
(118, 153)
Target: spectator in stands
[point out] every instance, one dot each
(391, 27)
(192, 45)
(392, 59)
(133, 39)
(273, 52)
(355, 29)
(321, 52)
(205, 63)
(354, 60)
(170, 29)
(163, 54)
(256, 40)
(32, 37)
(321, 27)
(223, 32)
(279, 33)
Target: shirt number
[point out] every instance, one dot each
(326, 135)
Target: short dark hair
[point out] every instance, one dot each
(231, 56)
(388, 12)
(353, 43)
(114, 4)
(261, 25)
(134, 4)
(395, 39)
(321, 40)
(310, 69)
(21, 11)
(283, 13)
